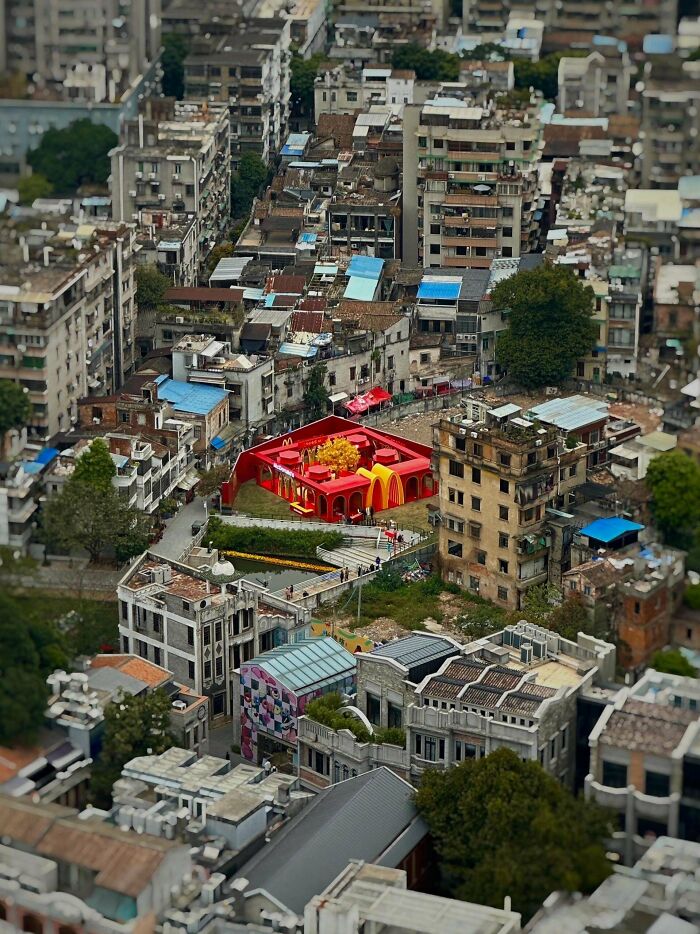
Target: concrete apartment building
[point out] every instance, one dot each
(199, 624)
(247, 70)
(342, 90)
(368, 219)
(497, 481)
(114, 42)
(645, 762)
(597, 85)
(670, 121)
(67, 314)
(470, 183)
(175, 165)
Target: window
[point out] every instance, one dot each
(614, 774)
(507, 231)
(455, 496)
(434, 249)
(206, 635)
(353, 372)
(351, 95)
(476, 504)
(157, 622)
(656, 784)
(572, 470)
(476, 475)
(456, 469)
(430, 748)
(185, 606)
(481, 557)
(190, 670)
(207, 671)
(504, 486)
(394, 716)
(373, 708)
(455, 525)
(218, 631)
(503, 512)
(454, 549)
(190, 635)
(502, 566)
(438, 144)
(419, 744)
(502, 593)
(435, 230)
(502, 540)
(531, 458)
(507, 212)
(553, 748)
(475, 530)
(219, 666)
(474, 584)
(563, 739)
(637, 607)
(504, 460)
(156, 655)
(478, 452)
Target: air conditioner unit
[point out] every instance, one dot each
(474, 434)
(161, 197)
(138, 175)
(538, 443)
(179, 319)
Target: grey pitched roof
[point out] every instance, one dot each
(474, 284)
(361, 818)
(416, 649)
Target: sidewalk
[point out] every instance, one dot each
(178, 530)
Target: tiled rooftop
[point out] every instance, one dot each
(647, 727)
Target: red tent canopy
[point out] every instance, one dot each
(367, 400)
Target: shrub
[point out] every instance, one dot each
(265, 541)
(691, 597)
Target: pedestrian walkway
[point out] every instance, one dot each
(178, 531)
(307, 525)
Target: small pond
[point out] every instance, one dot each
(273, 576)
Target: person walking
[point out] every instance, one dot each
(359, 571)
(377, 562)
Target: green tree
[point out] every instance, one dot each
(672, 662)
(673, 479)
(77, 155)
(550, 325)
(246, 183)
(301, 83)
(487, 52)
(30, 650)
(89, 514)
(480, 620)
(222, 251)
(31, 187)
(316, 399)
(15, 407)
(134, 726)
(428, 66)
(172, 61)
(95, 467)
(211, 480)
(504, 827)
(150, 286)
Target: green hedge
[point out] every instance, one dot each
(326, 711)
(274, 542)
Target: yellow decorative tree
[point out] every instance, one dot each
(339, 455)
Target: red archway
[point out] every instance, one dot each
(411, 489)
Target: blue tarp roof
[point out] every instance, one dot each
(217, 443)
(46, 455)
(31, 467)
(360, 289)
(439, 290)
(308, 238)
(366, 267)
(298, 350)
(190, 397)
(295, 144)
(607, 530)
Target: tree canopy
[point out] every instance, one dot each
(221, 251)
(30, 650)
(172, 61)
(31, 187)
(550, 325)
(150, 286)
(211, 480)
(246, 183)
(673, 479)
(542, 75)
(673, 662)
(428, 66)
(502, 827)
(339, 454)
(75, 156)
(134, 726)
(301, 83)
(15, 407)
(316, 399)
(89, 514)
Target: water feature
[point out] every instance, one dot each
(273, 576)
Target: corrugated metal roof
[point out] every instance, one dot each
(190, 397)
(360, 289)
(607, 530)
(445, 291)
(360, 818)
(298, 350)
(570, 413)
(367, 267)
(307, 664)
(415, 649)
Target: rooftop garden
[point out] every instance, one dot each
(328, 711)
